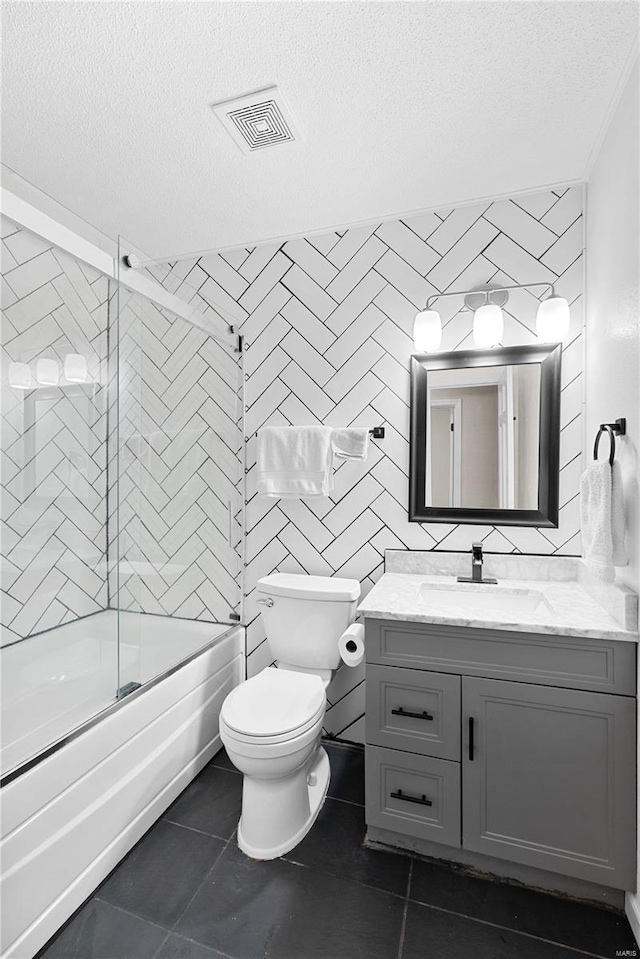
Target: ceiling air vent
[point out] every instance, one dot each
(257, 120)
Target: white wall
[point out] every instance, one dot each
(612, 283)
(612, 302)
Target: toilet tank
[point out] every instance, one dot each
(305, 616)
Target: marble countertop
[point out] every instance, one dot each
(566, 608)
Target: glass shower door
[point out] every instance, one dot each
(178, 510)
(58, 637)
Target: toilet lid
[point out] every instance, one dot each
(319, 588)
(273, 702)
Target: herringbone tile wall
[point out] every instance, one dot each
(54, 535)
(179, 468)
(328, 323)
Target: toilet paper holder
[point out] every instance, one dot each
(351, 645)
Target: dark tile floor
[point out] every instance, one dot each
(186, 892)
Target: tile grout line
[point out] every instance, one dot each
(516, 932)
(348, 802)
(403, 927)
(216, 861)
(105, 902)
(214, 952)
(347, 879)
(200, 832)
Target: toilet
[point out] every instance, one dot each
(271, 724)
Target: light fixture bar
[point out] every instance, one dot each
(489, 289)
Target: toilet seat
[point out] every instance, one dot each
(274, 706)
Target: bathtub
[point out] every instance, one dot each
(86, 775)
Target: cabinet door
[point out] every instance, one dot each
(549, 778)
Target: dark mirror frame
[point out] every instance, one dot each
(549, 356)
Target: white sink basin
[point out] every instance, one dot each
(481, 600)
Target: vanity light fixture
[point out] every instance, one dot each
(20, 376)
(75, 368)
(47, 372)
(552, 320)
(488, 325)
(427, 331)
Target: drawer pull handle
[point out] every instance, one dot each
(405, 712)
(421, 801)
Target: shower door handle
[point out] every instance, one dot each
(230, 532)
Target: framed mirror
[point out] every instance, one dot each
(485, 436)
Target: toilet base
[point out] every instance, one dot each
(319, 773)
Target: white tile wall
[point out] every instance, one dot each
(328, 322)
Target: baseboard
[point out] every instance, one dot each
(632, 912)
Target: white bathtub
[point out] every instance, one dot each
(58, 680)
(70, 817)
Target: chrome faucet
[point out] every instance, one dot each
(476, 567)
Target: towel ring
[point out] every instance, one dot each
(620, 427)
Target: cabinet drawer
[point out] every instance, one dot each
(600, 665)
(413, 795)
(413, 710)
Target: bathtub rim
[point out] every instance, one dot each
(58, 744)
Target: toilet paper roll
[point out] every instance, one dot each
(351, 645)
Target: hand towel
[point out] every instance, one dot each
(350, 444)
(595, 519)
(618, 519)
(295, 462)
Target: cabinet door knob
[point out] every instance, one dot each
(405, 712)
(422, 801)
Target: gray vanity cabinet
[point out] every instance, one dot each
(515, 746)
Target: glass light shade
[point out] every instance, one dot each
(75, 368)
(427, 331)
(488, 325)
(553, 319)
(47, 372)
(20, 376)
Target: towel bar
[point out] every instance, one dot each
(619, 427)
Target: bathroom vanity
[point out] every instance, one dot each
(501, 726)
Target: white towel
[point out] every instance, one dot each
(351, 443)
(599, 517)
(618, 519)
(295, 461)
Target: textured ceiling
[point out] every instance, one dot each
(402, 106)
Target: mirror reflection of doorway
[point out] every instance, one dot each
(482, 447)
(446, 466)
